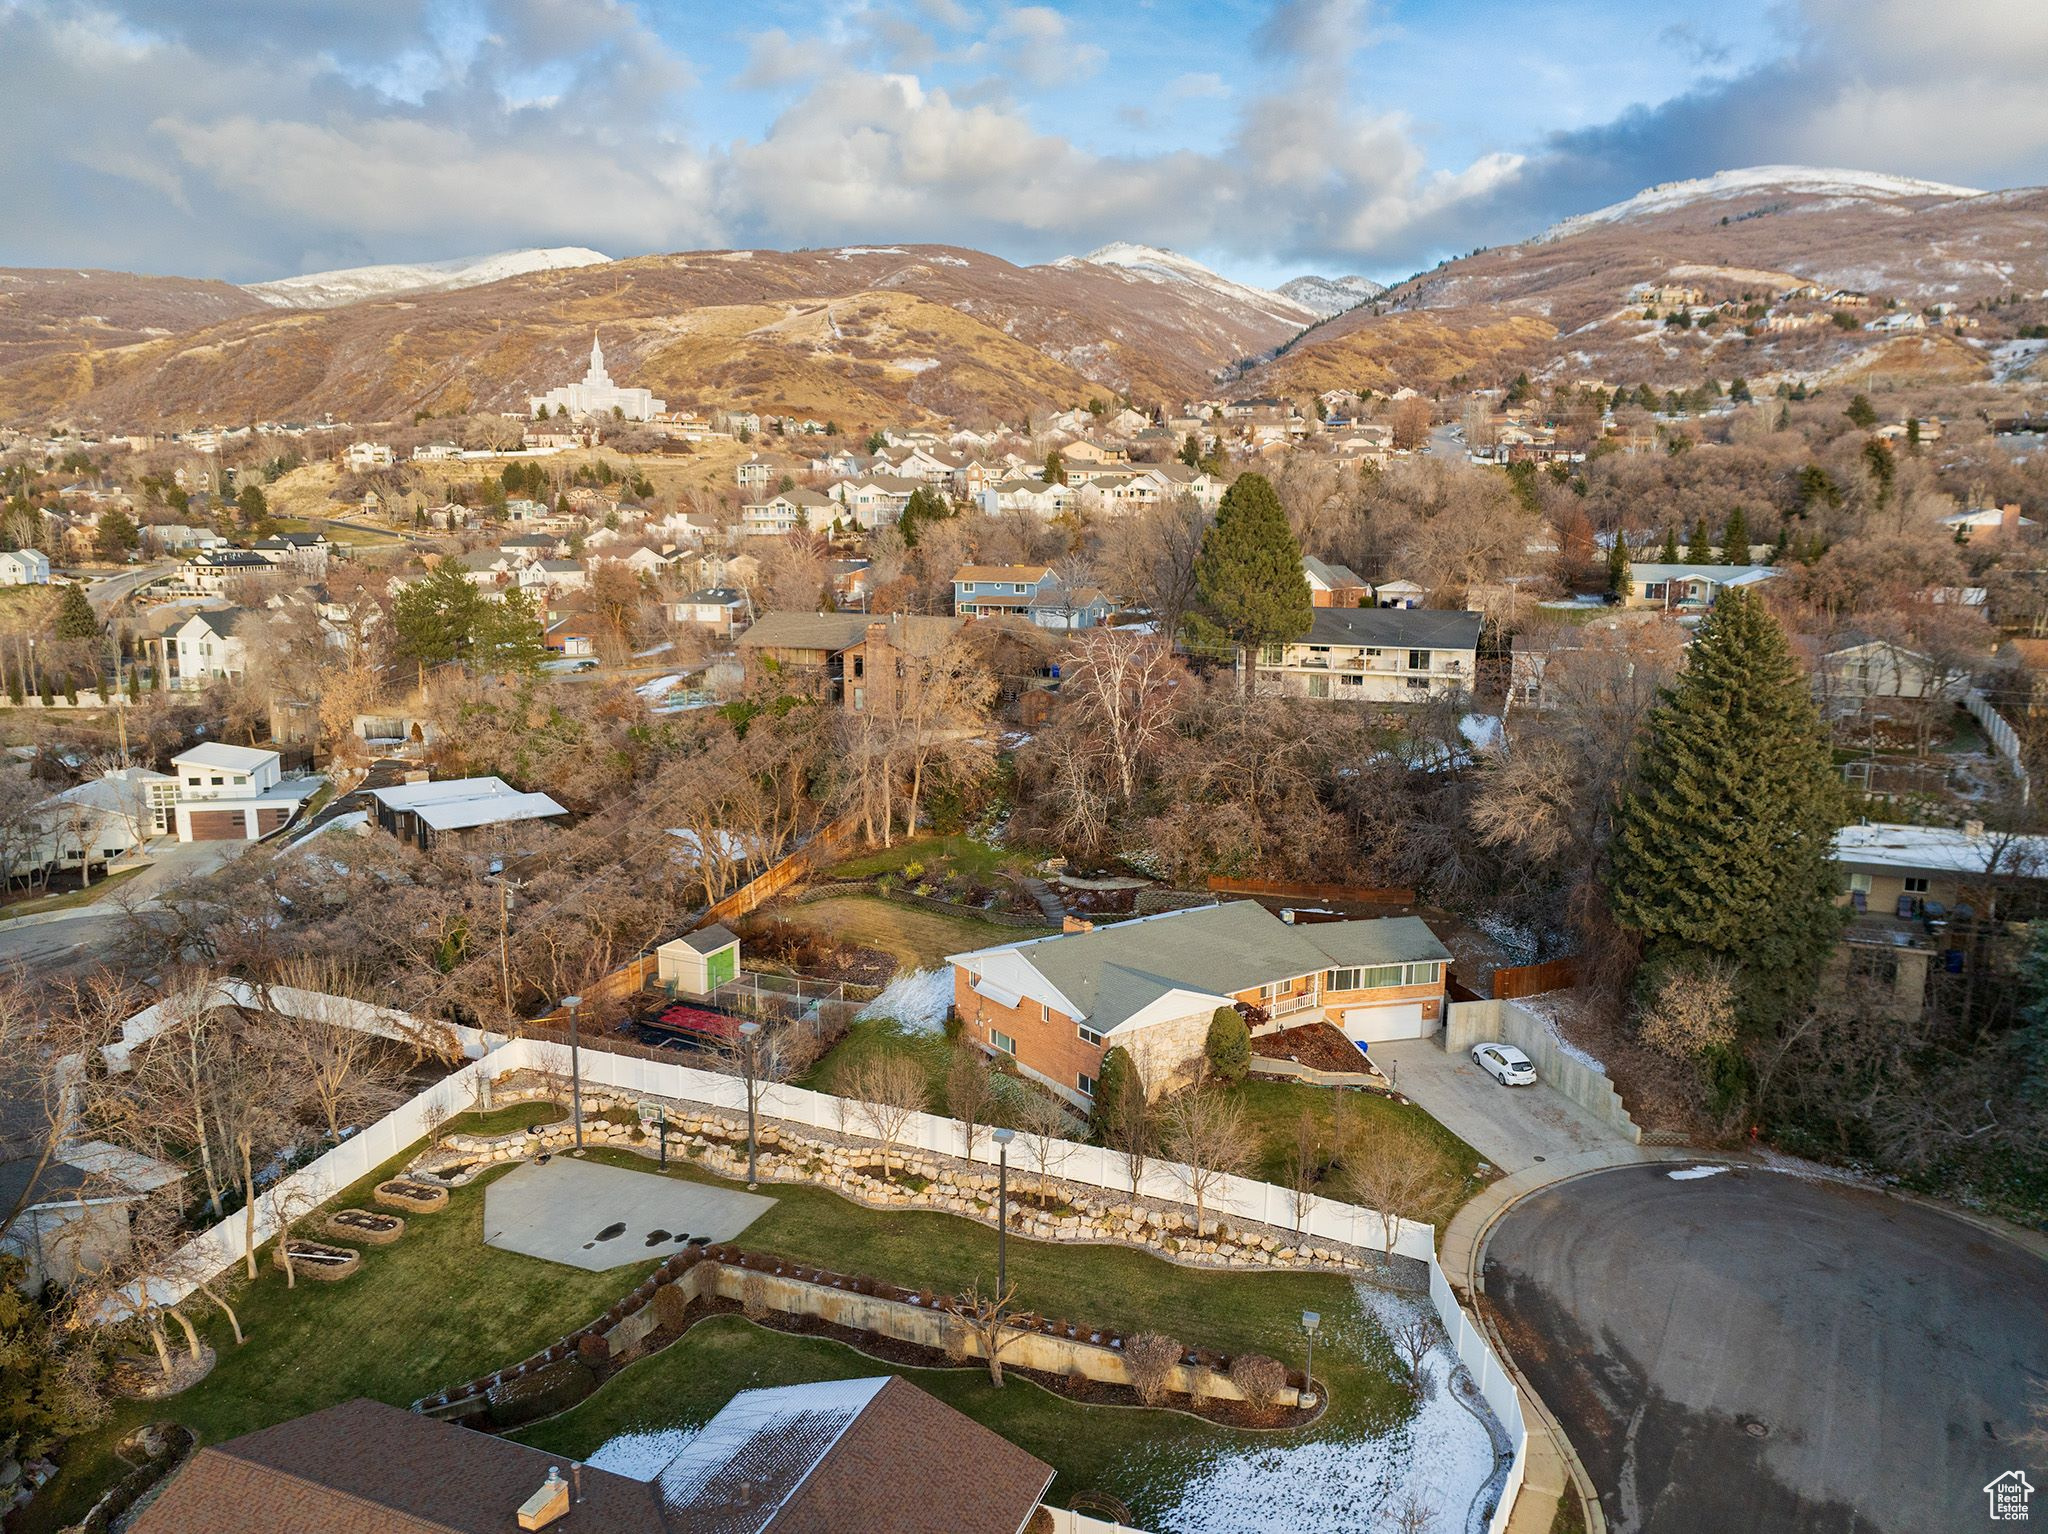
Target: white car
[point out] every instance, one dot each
(1505, 1064)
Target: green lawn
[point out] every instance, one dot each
(1275, 1108)
(69, 898)
(962, 853)
(502, 1121)
(914, 938)
(440, 1307)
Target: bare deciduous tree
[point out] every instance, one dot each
(1414, 1340)
(970, 1091)
(1205, 1134)
(1397, 1177)
(991, 1320)
(887, 1086)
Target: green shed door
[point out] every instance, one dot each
(721, 966)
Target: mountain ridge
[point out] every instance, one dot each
(353, 284)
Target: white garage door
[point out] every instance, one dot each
(1369, 1025)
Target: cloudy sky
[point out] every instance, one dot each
(261, 138)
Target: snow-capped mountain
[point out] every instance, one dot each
(330, 290)
(1151, 264)
(1830, 186)
(1330, 295)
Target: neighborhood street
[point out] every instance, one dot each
(1749, 1351)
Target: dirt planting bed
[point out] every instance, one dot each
(417, 1197)
(316, 1260)
(1320, 1046)
(365, 1225)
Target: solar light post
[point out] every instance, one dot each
(750, 1034)
(1310, 1322)
(1003, 1137)
(574, 1004)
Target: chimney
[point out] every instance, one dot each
(547, 1504)
(2009, 517)
(878, 632)
(1974, 830)
(1076, 924)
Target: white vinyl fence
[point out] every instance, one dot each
(215, 1250)
(2002, 737)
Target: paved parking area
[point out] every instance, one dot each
(596, 1217)
(1513, 1127)
(1750, 1351)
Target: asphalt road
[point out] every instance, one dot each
(107, 593)
(1754, 1353)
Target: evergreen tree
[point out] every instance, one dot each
(1055, 468)
(1191, 451)
(1646, 397)
(876, 442)
(1618, 568)
(1738, 390)
(1228, 1047)
(432, 619)
(1723, 845)
(134, 685)
(75, 617)
(42, 1400)
(1249, 569)
(1699, 551)
(252, 506)
(1115, 1086)
(15, 692)
(923, 506)
(1669, 553)
(506, 636)
(1784, 422)
(115, 535)
(1861, 413)
(1735, 538)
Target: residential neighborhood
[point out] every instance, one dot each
(950, 768)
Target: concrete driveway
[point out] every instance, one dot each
(1752, 1351)
(1512, 1127)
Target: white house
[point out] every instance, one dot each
(1376, 655)
(207, 648)
(1688, 588)
(24, 567)
(234, 793)
(793, 511)
(362, 456)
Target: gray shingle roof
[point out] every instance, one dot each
(1394, 628)
(1115, 971)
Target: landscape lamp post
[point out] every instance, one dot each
(574, 1004)
(1310, 1320)
(1003, 1137)
(750, 1034)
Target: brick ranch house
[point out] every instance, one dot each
(1056, 1005)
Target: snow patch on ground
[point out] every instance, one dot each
(1695, 1173)
(918, 1000)
(1441, 1455)
(914, 364)
(1481, 730)
(1813, 1171)
(657, 688)
(848, 252)
(1513, 939)
(1546, 1007)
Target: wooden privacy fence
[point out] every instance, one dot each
(835, 840)
(1283, 890)
(1534, 979)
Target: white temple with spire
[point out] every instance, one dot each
(597, 395)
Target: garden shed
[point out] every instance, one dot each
(698, 963)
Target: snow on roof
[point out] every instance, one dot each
(225, 758)
(458, 804)
(761, 1447)
(1942, 849)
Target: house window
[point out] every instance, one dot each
(241, 779)
(1859, 884)
(1418, 660)
(1915, 886)
(860, 666)
(1088, 1035)
(1086, 1083)
(860, 699)
(1002, 1041)
(1363, 979)
(1340, 980)
(219, 781)
(1424, 974)
(1653, 591)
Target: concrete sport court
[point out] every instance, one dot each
(595, 1217)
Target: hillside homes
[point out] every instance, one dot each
(1032, 592)
(1686, 588)
(1377, 655)
(1056, 1005)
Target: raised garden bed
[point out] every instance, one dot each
(317, 1260)
(404, 1193)
(365, 1225)
(1320, 1046)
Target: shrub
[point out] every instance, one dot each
(1114, 1087)
(541, 1393)
(593, 1349)
(670, 1306)
(1229, 1048)
(1259, 1377)
(1151, 1359)
(957, 1339)
(754, 1297)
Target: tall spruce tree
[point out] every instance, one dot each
(1700, 550)
(1618, 568)
(75, 617)
(1669, 553)
(1735, 538)
(1249, 569)
(1722, 847)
